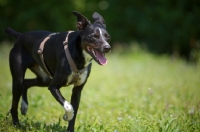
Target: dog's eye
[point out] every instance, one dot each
(107, 36)
(96, 35)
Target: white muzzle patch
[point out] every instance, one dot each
(69, 111)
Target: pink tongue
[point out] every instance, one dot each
(101, 58)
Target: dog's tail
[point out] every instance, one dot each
(12, 33)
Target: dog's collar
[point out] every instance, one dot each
(72, 64)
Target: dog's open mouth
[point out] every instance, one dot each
(99, 57)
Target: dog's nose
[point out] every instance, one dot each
(106, 48)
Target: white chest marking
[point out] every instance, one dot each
(81, 80)
(83, 76)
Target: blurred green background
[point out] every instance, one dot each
(161, 26)
(147, 92)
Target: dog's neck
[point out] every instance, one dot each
(79, 55)
(88, 58)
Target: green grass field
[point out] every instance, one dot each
(135, 92)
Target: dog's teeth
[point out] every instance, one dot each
(93, 52)
(88, 48)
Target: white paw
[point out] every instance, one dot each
(69, 112)
(24, 107)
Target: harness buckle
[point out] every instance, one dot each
(65, 42)
(40, 51)
(75, 78)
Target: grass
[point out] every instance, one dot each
(135, 92)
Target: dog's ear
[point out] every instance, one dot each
(98, 19)
(82, 21)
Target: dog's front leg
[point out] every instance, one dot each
(75, 100)
(69, 112)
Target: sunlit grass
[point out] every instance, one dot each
(135, 92)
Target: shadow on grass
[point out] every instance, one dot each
(30, 125)
(42, 126)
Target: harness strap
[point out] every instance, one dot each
(69, 58)
(72, 64)
(40, 52)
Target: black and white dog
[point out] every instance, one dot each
(57, 59)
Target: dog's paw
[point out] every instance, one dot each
(69, 112)
(24, 107)
(68, 116)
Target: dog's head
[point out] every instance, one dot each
(94, 36)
